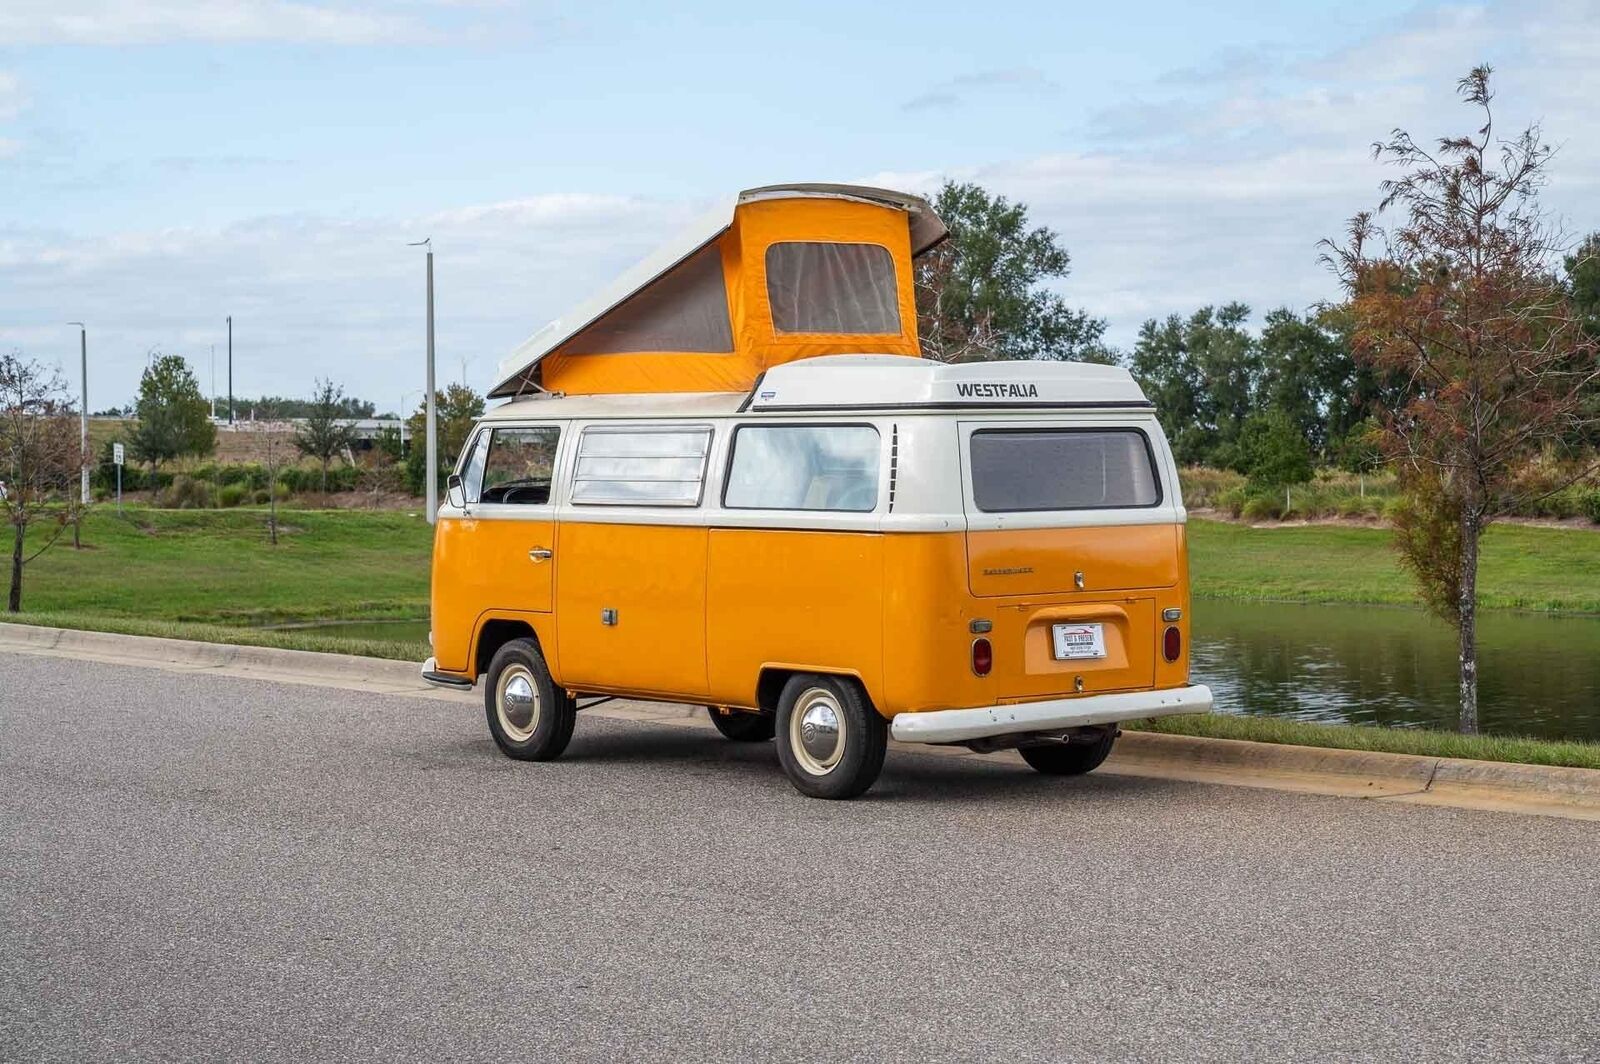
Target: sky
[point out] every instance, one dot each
(167, 163)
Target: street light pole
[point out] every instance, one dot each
(230, 369)
(83, 412)
(432, 471)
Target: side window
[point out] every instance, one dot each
(626, 465)
(803, 467)
(519, 465)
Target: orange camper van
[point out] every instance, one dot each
(730, 481)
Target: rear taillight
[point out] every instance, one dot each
(982, 657)
(1172, 644)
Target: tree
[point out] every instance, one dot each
(1460, 300)
(174, 418)
(274, 466)
(1202, 373)
(458, 407)
(1273, 451)
(326, 431)
(40, 455)
(984, 292)
(1583, 282)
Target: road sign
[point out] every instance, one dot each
(116, 458)
(116, 453)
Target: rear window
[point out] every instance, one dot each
(1062, 469)
(832, 288)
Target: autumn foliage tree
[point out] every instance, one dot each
(1458, 301)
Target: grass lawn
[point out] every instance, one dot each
(1523, 567)
(1385, 740)
(217, 567)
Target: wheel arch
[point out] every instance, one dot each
(773, 676)
(495, 631)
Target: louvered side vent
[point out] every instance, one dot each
(894, 462)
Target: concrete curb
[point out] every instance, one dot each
(1565, 792)
(1572, 792)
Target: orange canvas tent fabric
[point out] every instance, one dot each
(790, 272)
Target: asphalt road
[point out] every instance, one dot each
(193, 866)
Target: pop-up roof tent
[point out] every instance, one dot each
(778, 273)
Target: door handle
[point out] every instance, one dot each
(541, 554)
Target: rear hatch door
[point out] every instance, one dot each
(1071, 532)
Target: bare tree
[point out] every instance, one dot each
(40, 455)
(274, 464)
(1460, 306)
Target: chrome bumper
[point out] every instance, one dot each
(960, 725)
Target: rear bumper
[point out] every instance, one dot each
(431, 673)
(961, 725)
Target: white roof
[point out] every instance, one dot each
(865, 382)
(926, 231)
(877, 381)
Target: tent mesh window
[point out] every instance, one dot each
(832, 288)
(683, 311)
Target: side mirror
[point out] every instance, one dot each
(456, 492)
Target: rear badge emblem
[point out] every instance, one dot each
(1018, 571)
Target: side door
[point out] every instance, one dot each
(630, 604)
(497, 552)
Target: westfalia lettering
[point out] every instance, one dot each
(997, 391)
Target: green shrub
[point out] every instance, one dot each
(1262, 508)
(231, 495)
(1355, 506)
(261, 497)
(1233, 500)
(185, 493)
(1591, 505)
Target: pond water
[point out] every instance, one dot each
(1538, 675)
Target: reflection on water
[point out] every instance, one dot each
(1537, 675)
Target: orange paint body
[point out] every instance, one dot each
(702, 612)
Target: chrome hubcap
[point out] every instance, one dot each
(817, 732)
(517, 703)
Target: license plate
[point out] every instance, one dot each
(1078, 641)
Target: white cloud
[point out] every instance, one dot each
(1215, 183)
(118, 22)
(13, 100)
(314, 296)
(1216, 188)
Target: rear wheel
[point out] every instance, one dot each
(743, 727)
(530, 717)
(831, 741)
(1069, 759)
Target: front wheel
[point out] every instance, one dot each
(831, 741)
(743, 727)
(1069, 759)
(530, 717)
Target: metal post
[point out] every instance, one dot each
(230, 369)
(431, 472)
(83, 414)
(433, 427)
